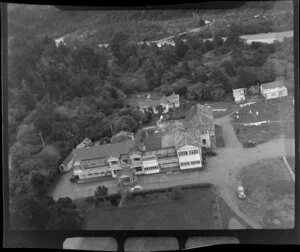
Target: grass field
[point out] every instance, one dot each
(196, 209)
(270, 193)
(281, 114)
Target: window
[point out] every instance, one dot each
(183, 153)
(114, 162)
(138, 169)
(193, 152)
(204, 141)
(185, 163)
(195, 162)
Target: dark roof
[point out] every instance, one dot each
(200, 116)
(186, 140)
(68, 159)
(104, 150)
(153, 143)
(274, 84)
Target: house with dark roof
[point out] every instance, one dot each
(167, 102)
(274, 89)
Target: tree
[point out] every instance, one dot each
(180, 86)
(228, 68)
(217, 93)
(218, 41)
(180, 48)
(246, 77)
(176, 193)
(160, 109)
(194, 92)
(39, 183)
(65, 215)
(101, 193)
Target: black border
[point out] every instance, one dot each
(54, 239)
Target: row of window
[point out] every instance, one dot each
(191, 152)
(190, 163)
(151, 168)
(149, 158)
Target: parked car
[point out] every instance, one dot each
(209, 152)
(74, 179)
(241, 192)
(136, 188)
(249, 144)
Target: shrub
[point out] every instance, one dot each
(176, 193)
(114, 199)
(89, 199)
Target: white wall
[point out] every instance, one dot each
(189, 157)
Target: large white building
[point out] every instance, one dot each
(274, 89)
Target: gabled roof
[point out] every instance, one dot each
(68, 159)
(199, 115)
(153, 143)
(186, 140)
(166, 99)
(104, 150)
(274, 84)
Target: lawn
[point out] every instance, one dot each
(291, 161)
(195, 210)
(270, 193)
(276, 110)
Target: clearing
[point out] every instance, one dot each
(280, 112)
(270, 193)
(196, 209)
(291, 161)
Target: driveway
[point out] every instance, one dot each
(221, 172)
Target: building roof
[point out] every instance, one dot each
(153, 143)
(122, 136)
(172, 97)
(274, 84)
(199, 116)
(68, 159)
(104, 150)
(125, 172)
(186, 140)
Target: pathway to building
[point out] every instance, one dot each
(221, 171)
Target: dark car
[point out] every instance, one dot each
(74, 179)
(249, 144)
(209, 152)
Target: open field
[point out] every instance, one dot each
(196, 209)
(291, 161)
(280, 112)
(270, 193)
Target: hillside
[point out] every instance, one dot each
(97, 27)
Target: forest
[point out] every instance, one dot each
(60, 95)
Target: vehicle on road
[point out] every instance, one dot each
(74, 179)
(136, 188)
(241, 192)
(249, 144)
(207, 152)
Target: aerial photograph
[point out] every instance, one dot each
(151, 119)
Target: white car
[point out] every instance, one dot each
(241, 193)
(136, 188)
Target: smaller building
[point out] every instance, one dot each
(239, 95)
(85, 143)
(274, 89)
(166, 102)
(67, 164)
